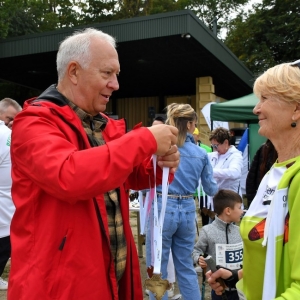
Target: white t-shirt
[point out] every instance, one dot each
(266, 192)
(7, 207)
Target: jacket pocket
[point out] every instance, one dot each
(59, 260)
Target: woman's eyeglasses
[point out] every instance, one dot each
(215, 146)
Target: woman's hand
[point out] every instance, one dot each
(212, 279)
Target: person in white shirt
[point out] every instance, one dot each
(7, 207)
(226, 160)
(8, 110)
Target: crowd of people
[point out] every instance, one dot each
(65, 182)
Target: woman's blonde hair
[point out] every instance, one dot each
(179, 115)
(281, 82)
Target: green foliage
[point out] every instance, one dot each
(96, 11)
(162, 6)
(222, 11)
(268, 36)
(3, 23)
(15, 19)
(20, 17)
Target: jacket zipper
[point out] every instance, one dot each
(62, 244)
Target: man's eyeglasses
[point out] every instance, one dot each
(215, 146)
(296, 63)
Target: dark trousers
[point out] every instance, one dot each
(232, 295)
(5, 249)
(205, 218)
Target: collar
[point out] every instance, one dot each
(220, 223)
(189, 138)
(51, 94)
(97, 121)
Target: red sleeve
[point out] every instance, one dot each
(46, 149)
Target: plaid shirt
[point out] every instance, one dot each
(93, 127)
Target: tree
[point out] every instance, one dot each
(20, 17)
(162, 6)
(268, 36)
(95, 11)
(209, 11)
(15, 20)
(99, 11)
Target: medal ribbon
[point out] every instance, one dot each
(158, 221)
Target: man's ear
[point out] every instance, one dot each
(72, 71)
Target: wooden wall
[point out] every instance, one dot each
(136, 110)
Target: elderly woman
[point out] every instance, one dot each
(270, 228)
(179, 230)
(226, 160)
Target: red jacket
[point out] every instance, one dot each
(60, 248)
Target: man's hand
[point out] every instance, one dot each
(170, 159)
(167, 151)
(165, 136)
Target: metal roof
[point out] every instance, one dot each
(160, 55)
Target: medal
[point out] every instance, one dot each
(157, 285)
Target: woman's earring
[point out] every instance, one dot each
(294, 124)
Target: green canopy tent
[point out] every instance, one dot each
(240, 110)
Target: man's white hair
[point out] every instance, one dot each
(77, 47)
(7, 102)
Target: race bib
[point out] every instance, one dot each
(229, 255)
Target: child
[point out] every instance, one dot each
(221, 239)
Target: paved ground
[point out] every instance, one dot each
(5, 276)
(3, 294)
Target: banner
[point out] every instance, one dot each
(206, 113)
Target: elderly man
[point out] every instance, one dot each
(72, 168)
(8, 110)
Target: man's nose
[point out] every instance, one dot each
(114, 84)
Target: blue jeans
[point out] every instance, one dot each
(179, 231)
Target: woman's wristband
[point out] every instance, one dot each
(233, 279)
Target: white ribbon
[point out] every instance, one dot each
(199, 191)
(158, 221)
(145, 207)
